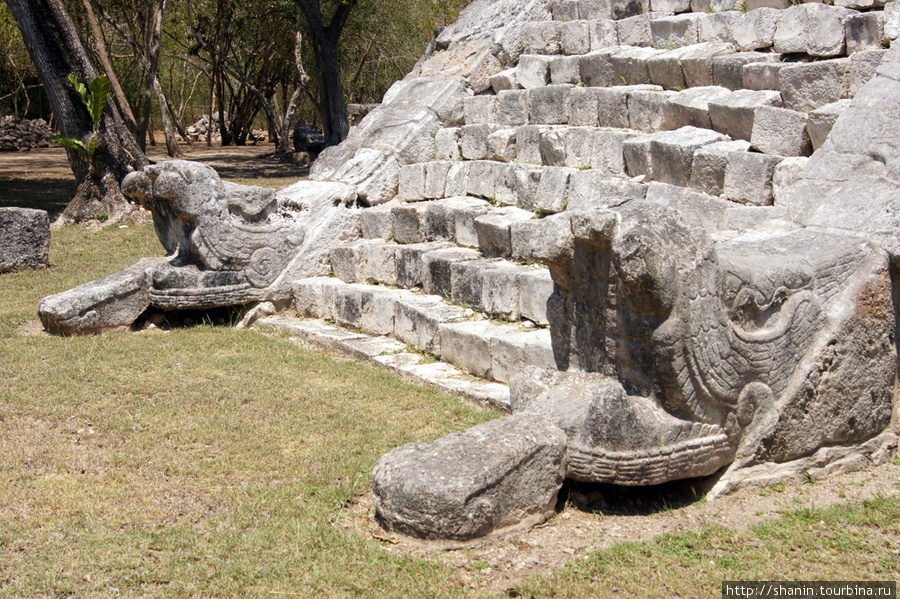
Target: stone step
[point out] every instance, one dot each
(816, 29)
(494, 286)
(452, 333)
(393, 355)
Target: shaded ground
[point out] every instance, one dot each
(42, 178)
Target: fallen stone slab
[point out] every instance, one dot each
(24, 239)
(497, 477)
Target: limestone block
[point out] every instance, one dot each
(552, 192)
(602, 34)
(748, 178)
(504, 80)
(686, 67)
(548, 105)
(814, 29)
(441, 95)
(864, 31)
(457, 181)
(763, 75)
(408, 259)
(781, 132)
(594, 10)
(501, 145)
(733, 114)
(502, 474)
(365, 307)
(713, 6)
(822, 119)
(483, 178)
(417, 318)
(436, 269)
(473, 61)
(710, 161)
(463, 211)
(500, 295)
(446, 142)
(479, 110)
(436, 179)
(533, 70)
(408, 223)
(411, 186)
(313, 297)
(755, 4)
(541, 37)
(524, 182)
(554, 150)
(374, 173)
(348, 262)
(111, 302)
(377, 222)
(717, 27)
(755, 30)
(467, 283)
(24, 238)
(513, 352)
(596, 68)
(610, 105)
(468, 345)
(787, 172)
(473, 140)
(506, 188)
(859, 4)
(493, 230)
(807, 86)
(565, 70)
(672, 153)
(891, 15)
(535, 287)
(691, 107)
(381, 262)
(636, 151)
(635, 31)
(575, 37)
(863, 65)
(630, 65)
(511, 107)
(728, 69)
(584, 106)
(646, 108)
(607, 150)
(595, 189)
(528, 143)
(404, 133)
(676, 31)
(674, 6)
(438, 222)
(564, 10)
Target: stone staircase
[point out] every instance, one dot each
(700, 103)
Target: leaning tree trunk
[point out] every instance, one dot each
(57, 52)
(325, 49)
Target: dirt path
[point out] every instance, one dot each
(231, 161)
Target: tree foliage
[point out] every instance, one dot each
(237, 59)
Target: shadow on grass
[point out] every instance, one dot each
(50, 194)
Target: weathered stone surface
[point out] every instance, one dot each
(688, 66)
(24, 238)
(629, 66)
(565, 70)
(672, 153)
(646, 108)
(781, 132)
(821, 121)
(710, 161)
(499, 476)
(549, 105)
(493, 230)
(864, 31)
(676, 31)
(763, 75)
(748, 178)
(755, 29)
(728, 69)
(690, 108)
(735, 113)
(813, 28)
(533, 70)
(808, 86)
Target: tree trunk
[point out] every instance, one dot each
(103, 55)
(325, 49)
(166, 116)
(152, 37)
(57, 52)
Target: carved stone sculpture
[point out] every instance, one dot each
(714, 310)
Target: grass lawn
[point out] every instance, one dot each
(213, 462)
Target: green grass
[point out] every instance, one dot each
(214, 462)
